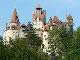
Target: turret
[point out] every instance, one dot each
(12, 29)
(14, 23)
(38, 18)
(14, 18)
(69, 23)
(69, 20)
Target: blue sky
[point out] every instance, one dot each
(25, 8)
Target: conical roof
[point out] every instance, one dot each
(38, 6)
(56, 20)
(69, 17)
(14, 18)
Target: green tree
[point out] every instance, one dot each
(20, 49)
(28, 48)
(60, 42)
(74, 53)
(1, 38)
(34, 40)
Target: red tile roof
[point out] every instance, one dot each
(69, 17)
(38, 6)
(14, 18)
(56, 20)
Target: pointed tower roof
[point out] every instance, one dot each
(69, 17)
(14, 18)
(39, 7)
(56, 20)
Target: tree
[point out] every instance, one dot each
(34, 40)
(28, 48)
(1, 38)
(60, 42)
(20, 49)
(74, 53)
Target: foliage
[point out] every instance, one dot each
(65, 45)
(28, 48)
(1, 38)
(60, 42)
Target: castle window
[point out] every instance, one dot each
(35, 18)
(13, 27)
(23, 30)
(41, 34)
(44, 35)
(48, 42)
(39, 19)
(39, 28)
(8, 27)
(35, 29)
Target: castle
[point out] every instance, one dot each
(14, 29)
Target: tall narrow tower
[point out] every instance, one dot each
(39, 18)
(12, 29)
(69, 23)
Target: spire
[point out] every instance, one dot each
(14, 18)
(69, 17)
(56, 20)
(39, 7)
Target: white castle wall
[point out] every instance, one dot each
(38, 24)
(10, 34)
(45, 41)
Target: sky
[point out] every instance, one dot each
(59, 8)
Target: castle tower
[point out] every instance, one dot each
(55, 23)
(38, 18)
(15, 20)
(12, 29)
(69, 23)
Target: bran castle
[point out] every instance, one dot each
(14, 29)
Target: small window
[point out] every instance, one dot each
(44, 35)
(39, 28)
(13, 27)
(35, 18)
(41, 34)
(8, 27)
(48, 43)
(34, 28)
(23, 30)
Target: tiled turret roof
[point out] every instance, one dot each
(69, 17)
(56, 20)
(14, 18)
